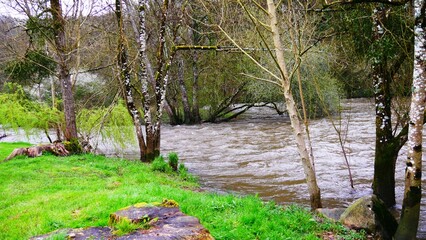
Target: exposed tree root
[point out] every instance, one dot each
(57, 149)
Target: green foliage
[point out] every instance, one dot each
(112, 124)
(18, 111)
(185, 175)
(173, 161)
(160, 165)
(125, 226)
(260, 91)
(321, 91)
(172, 167)
(39, 28)
(34, 67)
(73, 146)
(353, 66)
(82, 190)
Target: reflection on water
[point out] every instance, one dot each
(256, 154)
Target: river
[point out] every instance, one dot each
(256, 154)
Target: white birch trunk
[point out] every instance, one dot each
(314, 191)
(408, 225)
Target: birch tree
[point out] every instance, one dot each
(286, 63)
(381, 34)
(408, 225)
(152, 90)
(125, 78)
(296, 124)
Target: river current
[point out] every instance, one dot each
(256, 154)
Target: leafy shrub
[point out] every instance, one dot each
(160, 165)
(172, 166)
(185, 175)
(173, 161)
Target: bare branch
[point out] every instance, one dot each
(248, 55)
(261, 79)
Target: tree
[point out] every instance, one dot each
(408, 225)
(285, 65)
(306, 156)
(153, 86)
(387, 59)
(63, 70)
(125, 79)
(384, 28)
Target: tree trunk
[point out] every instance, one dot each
(153, 109)
(408, 225)
(314, 190)
(184, 94)
(153, 143)
(64, 75)
(196, 39)
(387, 146)
(384, 172)
(125, 80)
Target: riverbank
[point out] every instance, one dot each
(43, 194)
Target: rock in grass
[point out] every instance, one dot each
(165, 221)
(78, 234)
(331, 213)
(155, 221)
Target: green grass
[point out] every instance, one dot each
(40, 195)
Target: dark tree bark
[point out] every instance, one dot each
(63, 70)
(196, 117)
(185, 102)
(387, 144)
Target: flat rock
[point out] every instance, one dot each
(163, 221)
(79, 234)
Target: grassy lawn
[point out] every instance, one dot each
(39, 195)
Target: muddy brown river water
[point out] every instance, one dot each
(256, 154)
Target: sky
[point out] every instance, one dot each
(87, 6)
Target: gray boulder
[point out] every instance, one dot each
(331, 213)
(370, 214)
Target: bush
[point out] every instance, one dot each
(173, 161)
(160, 165)
(172, 166)
(185, 175)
